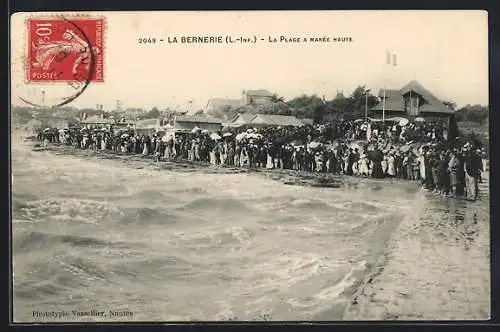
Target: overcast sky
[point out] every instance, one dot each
(446, 51)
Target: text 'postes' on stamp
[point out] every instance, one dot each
(65, 50)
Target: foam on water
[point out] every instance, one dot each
(181, 246)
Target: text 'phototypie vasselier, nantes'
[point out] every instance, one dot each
(51, 314)
(242, 39)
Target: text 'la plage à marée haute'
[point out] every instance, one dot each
(233, 39)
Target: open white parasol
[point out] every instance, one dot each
(215, 136)
(403, 122)
(241, 136)
(227, 134)
(419, 119)
(195, 130)
(405, 148)
(314, 145)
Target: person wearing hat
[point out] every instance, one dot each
(391, 165)
(453, 166)
(376, 158)
(443, 177)
(472, 167)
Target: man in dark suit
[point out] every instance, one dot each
(472, 168)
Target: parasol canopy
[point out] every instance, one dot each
(227, 134)
(356, 145)
(46, 129)
(204, 131)
(254, 135)
(215, 136)
(241, 136)
(419, 119)
(195, 130)
(314, 145)
(405, 148)
(403, 122)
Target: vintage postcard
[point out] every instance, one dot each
(250, 166)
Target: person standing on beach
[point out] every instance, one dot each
(453, 165)
(391, 165)
(376, 158)
(472, 173)
(444, 179)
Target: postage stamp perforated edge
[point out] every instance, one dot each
(61, 16)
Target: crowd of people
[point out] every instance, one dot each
(415, 151)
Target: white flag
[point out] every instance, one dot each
(390, 58)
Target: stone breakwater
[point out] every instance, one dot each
(432, 269)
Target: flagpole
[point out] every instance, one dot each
(411, 105)
(383, 105)
(366, 105)
(388, 62)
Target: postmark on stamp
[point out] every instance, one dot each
(65, 50)
(63, 55)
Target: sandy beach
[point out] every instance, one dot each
(433, 264)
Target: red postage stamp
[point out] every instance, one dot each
(65, 49)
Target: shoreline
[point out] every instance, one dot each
(423, 275)
(396, 287)
(285, 176)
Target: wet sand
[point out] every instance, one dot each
(289, 177)
(433, 269)
(430, 270)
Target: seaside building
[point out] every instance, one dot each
(148, 127)
(187, 123)
(241, 119)
(221, 104)
(97, 120)
(256, 97)
(412, 101)
(265, 120)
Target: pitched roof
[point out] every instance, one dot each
(278, 120)
(221, 102)
(259, 93)
(203, 119)
(395, 100)
(434, 104)
(243, 117)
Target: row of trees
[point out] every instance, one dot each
(312, 107)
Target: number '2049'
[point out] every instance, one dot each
(146, 40)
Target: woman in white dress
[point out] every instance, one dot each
(363, 165)
(384, 165)
(104, 141)
(421, 163)
(391, 167)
